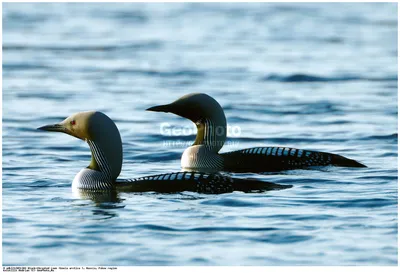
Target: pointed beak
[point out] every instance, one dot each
(161, 108)
(53, 128)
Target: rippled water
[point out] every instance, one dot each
(310, 76)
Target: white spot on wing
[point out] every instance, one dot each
(180, 175)
(293, 152)
(263, 151)
(286, 151)
(269, 151)
(300, 152)
(274, 151)
(280, 151)
(173, 176)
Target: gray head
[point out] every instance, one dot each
(204, 111)
(193, 106)
(95, 128)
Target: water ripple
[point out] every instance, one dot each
(277, 76)
(315, 78)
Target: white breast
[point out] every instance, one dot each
(199, 158)
(91, 180)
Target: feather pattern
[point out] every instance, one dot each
(214, 183)
(199, 157)
(269, 159)
(92, 180)
(101, 160)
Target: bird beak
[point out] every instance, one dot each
(53, 128)
(161, 108)
(59, 127)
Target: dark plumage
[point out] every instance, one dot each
(104, 140)
(211, 124)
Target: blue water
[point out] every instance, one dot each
(309, 76)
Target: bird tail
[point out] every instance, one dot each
(338, 160)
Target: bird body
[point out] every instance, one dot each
(211, 125)
(105, 143)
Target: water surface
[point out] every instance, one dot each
(309, 76)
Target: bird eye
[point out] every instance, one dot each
(73, 122)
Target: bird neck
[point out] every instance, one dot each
(106, 160)
(211, 133)
(93, 163)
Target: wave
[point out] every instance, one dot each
(147, 45)
(298, 78)
(393, 136)
(204, 229)
(159, 73)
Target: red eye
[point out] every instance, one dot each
(73, 122)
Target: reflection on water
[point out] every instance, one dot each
(96, 196)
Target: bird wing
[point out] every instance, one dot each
(205, 183)
(271, 159)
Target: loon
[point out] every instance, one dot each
(105, 143)
(211, 124)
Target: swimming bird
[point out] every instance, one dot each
(105, 143)
(203, 155)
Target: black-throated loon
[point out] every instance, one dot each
(104, 140)
(211, 124)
